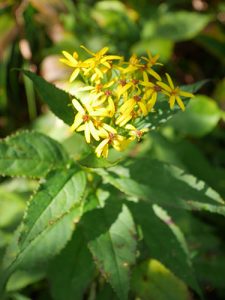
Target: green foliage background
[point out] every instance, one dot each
(151, 227)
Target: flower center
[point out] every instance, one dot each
(86, 118)
(137, 98)
(108, 93)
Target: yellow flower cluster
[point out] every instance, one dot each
(120, 94)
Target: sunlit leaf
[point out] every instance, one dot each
(152, 280)
(166, 185)
(48, 223)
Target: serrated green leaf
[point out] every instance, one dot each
(55, 197)
(49, 222)
(58, 101)
(166, 185)
(164, 244)
(111, 237)
(114, 252)
(187, 156)
(72, 270)
(152, 280)
(30, 154)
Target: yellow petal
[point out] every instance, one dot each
(172, 101)
(74, 74)
(87, 50)
(152, 101)
(87, 133)
(81, 128)
(109, 128)
(93, 131)
(67, 62)
(170, 81)
(77, 121)
(99, 149)
(130, 127)
(164, 86)
(127, 106)
(154, 74)
(143, 108)
(180, 103)
(186, 94)
(102, 51)
(69, 57)
(78, 107)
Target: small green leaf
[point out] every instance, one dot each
(30, 154)
(152, 280)
(72, 270)
(58, 101)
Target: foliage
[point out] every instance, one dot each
(145, 223)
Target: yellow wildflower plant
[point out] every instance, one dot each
(119, 96)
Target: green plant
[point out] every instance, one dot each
(92, 220)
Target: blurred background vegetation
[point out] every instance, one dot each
(190, 38)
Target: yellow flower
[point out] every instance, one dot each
(174, 93)
(128, 106)
(110, 138)
(125, 85)
(116, 95)
(86, 116)
(133, 65)
(71, 61)
(135, 133)
(99, 58)
(150, 62)
(150, 92)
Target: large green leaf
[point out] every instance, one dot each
(48, 223)
(115, 252)
(175, 26)
(187, 156)
(165, 241)
(111, 238)
(164, 184)
(30, 154)
(58, 101)
(72, 270)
